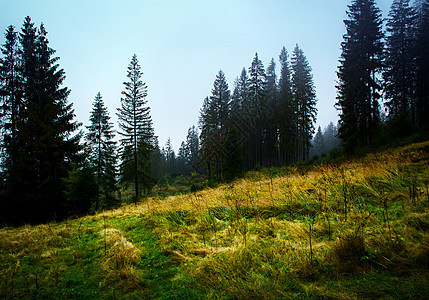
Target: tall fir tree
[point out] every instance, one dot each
(102, 152)
(213, 121)
(271, 132)
(286, 113)
(422, 63)
(399, 74)
(304, 97)
(137, 132)
(10, 100)
(359, 86)
(258, 111)
(44, 144)
(240, 116)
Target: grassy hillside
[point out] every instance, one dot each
(353, 230)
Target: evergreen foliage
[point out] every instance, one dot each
(137, 133)
(304, 98)
(399, 74)
(232, 165)
(101, 149)
(286, 113)
(191, 150)
(359, 86)
(214, 117)
(157, 162)
(422, 63)
(38, 144)
(324, 141)
(270, 123)
(258, 111)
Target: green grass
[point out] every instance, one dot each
(354, 230)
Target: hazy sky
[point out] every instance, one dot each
(181, 46)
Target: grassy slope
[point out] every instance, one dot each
(355, 230)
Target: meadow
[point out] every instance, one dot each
(348, 230)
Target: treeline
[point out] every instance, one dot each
(263, 122)
(49, 168)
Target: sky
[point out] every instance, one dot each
(181, 45)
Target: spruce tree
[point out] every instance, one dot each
(422, 63)
(270, 128)
(240, 116)
(258, 110)
(213, 121)
(44, 144)
(102, 151)
(286, 112)
(10, 100)
(192, 149)
(359, 86)
(136, 128)
(318, 143)
(304, 97)
(157, 162)
(170, 158)
(399, 73)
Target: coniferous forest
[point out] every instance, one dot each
(258, 202)
(52, 168)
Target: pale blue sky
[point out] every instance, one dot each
(181, 45)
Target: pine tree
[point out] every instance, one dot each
(270, 128)
(330, 139)
(170, 158)
(286, 117)
(220, 99)
(10, 100)
(304, 97)
(44, 145)
(192, 149)
(422, 63)
(318, 142)
(240, 97)
(240, 116)
(399, 74)
(102, 151)
(182, 167)
(137, 134)
(158, 164)
(258, 110)
(214, 117)
(360, 65)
